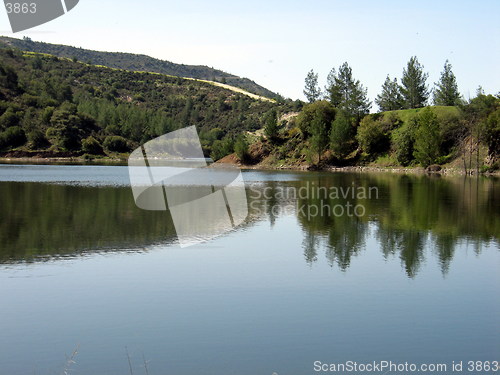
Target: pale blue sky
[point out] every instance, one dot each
(276, 43)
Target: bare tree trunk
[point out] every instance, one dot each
(477, 159)
(463, 151)
(470, 155)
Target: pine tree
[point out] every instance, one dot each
(348, 94)
(414, 89)
(311, 89)
(341, 136)
(446, 92)
(319, 136)
(390, 98)
(271, 126)
(330, 82)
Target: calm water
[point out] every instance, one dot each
(415, 278)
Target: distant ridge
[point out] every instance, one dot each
(134, 62)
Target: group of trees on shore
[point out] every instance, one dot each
(337, 119)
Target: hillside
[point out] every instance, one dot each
(52, 106)
(134, 62)
(465, 139)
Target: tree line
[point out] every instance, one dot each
(413, 92)
(336, 122)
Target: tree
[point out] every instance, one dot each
(348, 94)
(330, 82)
(480, 125)
(319, 135)
(492, 133)
(37, 139)
(321, 109)
(311, 89)
(390, 99)
(271, 126)
(90, 145)
(427, 138)
(446, 91)
(414, 89)
(9, 118)
(241, 148)
(116, 144)
(66, 128)
(341, 136)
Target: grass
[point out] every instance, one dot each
(441, 111)
(384, 161)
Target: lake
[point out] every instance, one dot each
(406, 272)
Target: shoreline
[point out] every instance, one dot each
(61, 160)
(283, 167)
(232, 161)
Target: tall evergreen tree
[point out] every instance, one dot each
(446, 91)
(330, 82)
(311, 89)
(319, 136)
(348, 94)
(414, 89)
(390, 98)
(271, 126)
(341, 136)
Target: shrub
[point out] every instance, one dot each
(221, 148)
(116, 143)
(427, 140)
(373, 136)
(403, 140)
(91, 146)
(69, 140)
(37, 139)
(12, 137)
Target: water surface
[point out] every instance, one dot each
(415, 278)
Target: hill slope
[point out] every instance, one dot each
(54, 106)
(465, 138)
(134, 62)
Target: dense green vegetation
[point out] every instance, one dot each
(133, 62)
(465, 137)
(64, 106)
(337, 129)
